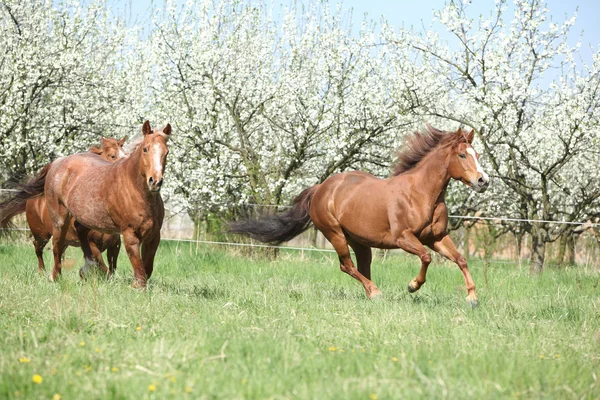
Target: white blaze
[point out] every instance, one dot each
(157, 157)
(479, 169)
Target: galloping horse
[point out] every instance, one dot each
(40, 224)
(39, 221)
(406, 211)
(120, 197)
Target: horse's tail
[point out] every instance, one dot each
(275, 229)
(15, 204)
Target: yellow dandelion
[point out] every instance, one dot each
(244, 381)
(56, 396)
(373, 396)
(77, 373)
(98, 349)
(556, 356)
(115, 369)
(395, 359)
(81, 344)
(188, 389)
(152, 387)
(173, 379)
(18, 394)
(541, 356)
(139, 328)
(88, 368)
(37, 379)
(24, 360)
(332, 348)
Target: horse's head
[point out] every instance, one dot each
(464, 162)
(111, 150)
(154, 155)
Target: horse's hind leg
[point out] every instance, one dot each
(59, 234)
(82, 235)
(340, 244)
(112, 254)
(97, 254)
(39, 242)
(363, 258)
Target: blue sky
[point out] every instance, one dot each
(415, 13)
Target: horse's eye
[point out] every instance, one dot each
(145, 149)
(462, 155)
(113, 156)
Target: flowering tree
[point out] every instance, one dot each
(263, 110)
(64, 81)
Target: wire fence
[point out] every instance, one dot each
(195, 238)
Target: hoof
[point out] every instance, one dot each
(376, 295)
(412, 287)
(472, 302)
(82, 274)
(138, 285)
(52, 278)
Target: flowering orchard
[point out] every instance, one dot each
(266, 101)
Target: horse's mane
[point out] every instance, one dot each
(417, 146)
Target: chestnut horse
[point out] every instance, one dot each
(121, 197)
(40, 224)
(406, 211)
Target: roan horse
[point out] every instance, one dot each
(406, 211)
(121, 197)
(40, 224)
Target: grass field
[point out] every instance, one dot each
(215, 324)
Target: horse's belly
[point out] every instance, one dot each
(91, 212)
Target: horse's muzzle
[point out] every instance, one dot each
(481, 185)
(155, 184)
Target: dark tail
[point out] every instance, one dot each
(15, 204)
(276, 229)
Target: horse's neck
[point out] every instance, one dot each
(432, 175)
(132, 170)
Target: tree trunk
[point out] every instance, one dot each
(562, 245)
(538, 250)
(571, 241)
(466, 241)
(519, 239)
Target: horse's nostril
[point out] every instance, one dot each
(151, 180)
(481, 181)
(159, 182)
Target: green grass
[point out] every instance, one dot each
(220, 325)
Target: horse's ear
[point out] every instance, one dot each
(469, 136)
(95, 150)
(167, 129)
(146, 130)
(104, 141)
(122, 141)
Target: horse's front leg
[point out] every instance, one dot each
(149, 252)
(132, 246)
(407, 241)
(445, 246)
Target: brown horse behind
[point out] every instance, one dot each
(40, 224)
(406, 211)
(121, 197)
